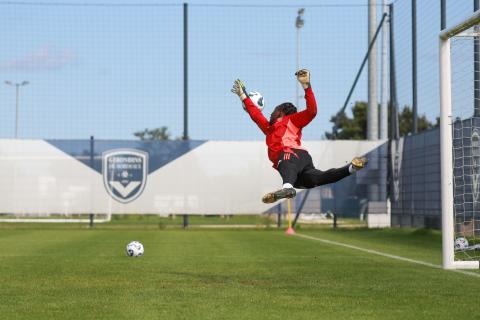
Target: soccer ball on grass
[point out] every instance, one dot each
(134, 249)
(461, 243)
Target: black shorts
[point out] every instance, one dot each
(297, 168)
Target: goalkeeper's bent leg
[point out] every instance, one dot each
(288, 166)
(312, 177)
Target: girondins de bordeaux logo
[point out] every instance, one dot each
(125, 173)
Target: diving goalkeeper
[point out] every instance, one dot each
(283, 137)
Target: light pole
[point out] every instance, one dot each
(384, 80)
(17, 97)
(299, 22)
(372, 109)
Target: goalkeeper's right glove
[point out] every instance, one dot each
(239, 89)
(303, 76)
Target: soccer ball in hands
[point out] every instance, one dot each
(257, 100)
(461, 243)
(135, 249)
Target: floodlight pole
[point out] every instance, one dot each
(185, 85)
(384, 73)
(443, 14)
(395, 130)
(17, 101)
(367, 55)
(185, 71)
(414, 66)
(299, 22)
(372, 110)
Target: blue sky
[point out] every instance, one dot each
(109, 71)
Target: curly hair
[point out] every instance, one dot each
(287, 108)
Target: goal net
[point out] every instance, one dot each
(460, 143)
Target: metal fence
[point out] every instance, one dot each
(415, 183)
(74, 70)
(415, 166)
(112, 69)
(417, 68)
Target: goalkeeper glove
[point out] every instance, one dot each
(303, 76)
(239, 89)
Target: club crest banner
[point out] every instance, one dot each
(125, 173)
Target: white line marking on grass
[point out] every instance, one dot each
(387, 255)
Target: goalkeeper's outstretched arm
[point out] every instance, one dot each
(301, 119)
(255, 113)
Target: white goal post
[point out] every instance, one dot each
(446, 145)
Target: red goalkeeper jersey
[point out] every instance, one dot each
(286, 133)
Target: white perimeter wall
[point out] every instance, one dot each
(218, 177)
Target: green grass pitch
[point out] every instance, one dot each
(76, 273)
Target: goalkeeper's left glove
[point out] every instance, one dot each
(239, 89)
(303, 76)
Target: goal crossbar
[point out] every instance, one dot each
(446, 143)
(473, 20)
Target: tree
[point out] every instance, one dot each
(154, 134)
(405, 119)
(350, 128)
(355, 128)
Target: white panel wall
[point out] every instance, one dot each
(218, 177)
